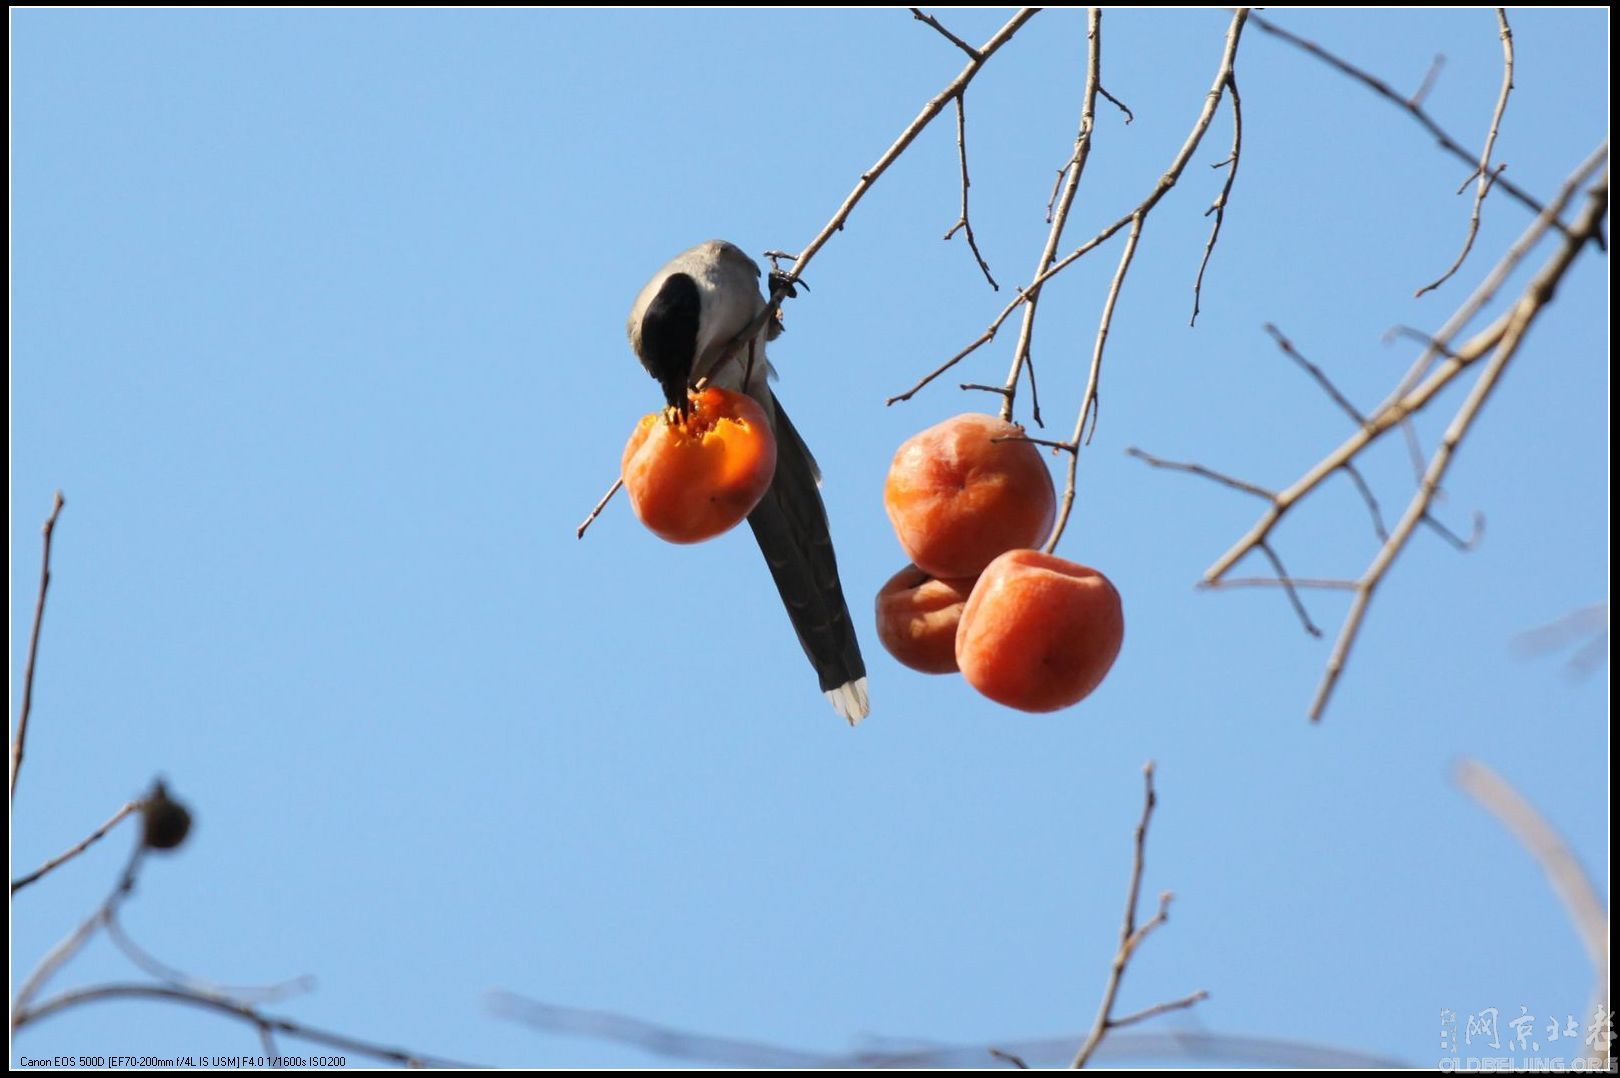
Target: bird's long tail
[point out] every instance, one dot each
(790, 525)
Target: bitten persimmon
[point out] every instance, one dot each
(692, 477)
(917, 616)
(957, 496)
(1039, 632)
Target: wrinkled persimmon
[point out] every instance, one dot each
(693, 477)
(917, 616)
(1039, 632)
(965, 490)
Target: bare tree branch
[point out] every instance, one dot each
(77, 848)
(1134, 218)
(1520, 318)
(33, 647)
(1413, 106)
(1393, 412)
(1131, 936)
(1487, 176)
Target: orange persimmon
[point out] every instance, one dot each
(957, 496)
(1039, 632)
(917, 616)
(690, 478)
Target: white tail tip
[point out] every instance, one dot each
(850, 700)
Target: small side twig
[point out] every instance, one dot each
(964, 223)
(1321, 379)
(1131, 936)
(1218, 207)
(1287, 583)
(1199, 470)
(1118, 104)
(33, 647)
(917, 13)
(77, 848)
(579, 533)
(1487, 176)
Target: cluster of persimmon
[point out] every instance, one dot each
(695, 475)
(969, 499)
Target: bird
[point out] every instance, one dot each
(684, 327)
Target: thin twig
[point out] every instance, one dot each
(1412, 107)
(600, 505)
(1199, 470)
(1367, 496)
(1287, 583)
(1160, 1008)
(963, 223)
(1218, 207)
(1118, 104)
(973, 54)
(77, 848)
(33, 647)
(1133, 218)
(1321, 379)
(234, 1009)
(1059, 215)
(1008, 1057)
(1487, 176)
(1002, 390)
(1130, 937)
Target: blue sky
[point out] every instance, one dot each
(317, 320)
